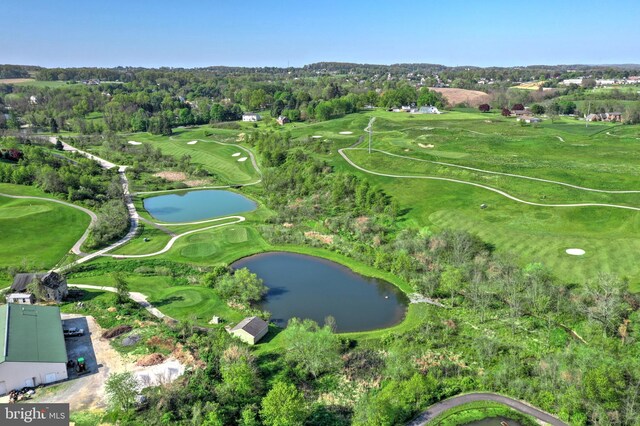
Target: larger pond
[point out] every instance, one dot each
(310, 287)
(197, 205)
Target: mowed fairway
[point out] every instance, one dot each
(601, 156)
(214, 151)
(37, 232)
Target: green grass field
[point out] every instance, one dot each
(36, 233)
(209, 151)
(600, 156)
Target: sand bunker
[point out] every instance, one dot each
(346, 133)
(242, 159)
(235, 154)
(421, 145)
(135, 143)
(192, 143)
(316, 136)
(575, 251)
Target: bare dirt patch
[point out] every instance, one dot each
(313, 235)
(457, 96)
(151, 359)
(15, 80)
(172, 176)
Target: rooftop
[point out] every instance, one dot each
(252, 325)
(31, 333)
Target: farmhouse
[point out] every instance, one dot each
(251, 116)
(32, 348)
(250, 330)
(529, 119)
(21, 298)
(54, 284)
(282, 120)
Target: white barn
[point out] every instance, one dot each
(32, 348)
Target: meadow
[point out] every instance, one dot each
(27, 224)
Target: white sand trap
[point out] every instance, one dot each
(135, 143)
(236, 154)
(346, 133)
(192, 143)
(421, 145)
(575, 251)
(316, 136)
(242, 159)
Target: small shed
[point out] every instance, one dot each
(250, 330)
(21, 298)
(282, 120)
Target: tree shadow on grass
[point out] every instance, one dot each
(168, 300)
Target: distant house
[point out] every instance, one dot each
(21, 298)
(251, 116)
(529, 119)
(32, 348)
(55, 285)
(605, 116)
(250, 330)
(520, 112)
(428, 109)
(282, 120)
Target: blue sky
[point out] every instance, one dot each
(190, 33)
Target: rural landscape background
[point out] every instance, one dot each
(326, 214)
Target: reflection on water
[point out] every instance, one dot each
(310, 287)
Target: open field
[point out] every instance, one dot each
(32, 82)
(27, 226)
(214, 149)
(601, 156)
(457, 96)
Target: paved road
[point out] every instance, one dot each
(131, 208)
(488, 188)
(76, 247)
(439, 408)
(139, 298)
(166, 248)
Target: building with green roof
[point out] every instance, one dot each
(32, 347)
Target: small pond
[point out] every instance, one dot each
(493, 421)
(197, 205)
(311, 287)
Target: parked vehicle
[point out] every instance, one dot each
(72, 332)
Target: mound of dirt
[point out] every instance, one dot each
(116, 331)
(457, 96)
(151, 359)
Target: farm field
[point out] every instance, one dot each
(27, 224)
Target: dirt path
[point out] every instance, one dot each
(139, 298)
(439, 408)
(76, 247)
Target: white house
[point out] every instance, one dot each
(428, 109)
(21, 298)
(32, 348)
(251, 116)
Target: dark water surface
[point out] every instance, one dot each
(311, 287)
(197, 205)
